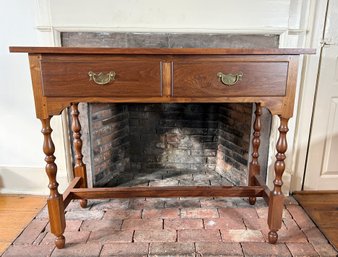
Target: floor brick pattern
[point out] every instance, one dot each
(173, 227)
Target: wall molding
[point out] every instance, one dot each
(259, 31)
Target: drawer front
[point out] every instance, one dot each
(203, 79)
(127, 78)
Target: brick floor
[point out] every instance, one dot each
(183, 203)
(72, 225)
(315, 236)
(325, 250)
(238, 213)
(199, 235)
(84, 215)
(291, 236)
(173, 227)
(265, 249)
(257, 224)
(31, 232)
(79, 250)
(224, 223)
(125, 249)
(105, 204)
(302, 249)
(29, 251)
(107, 236)
(172, 249)
(123, 214)
(94, 225)
(171, 213)
(150, 203)
(74, 237)
(155, 236)
(142, 224)
(216, 203)
(241, 235)
(218, 248)
(179, 224)
(299, 215)
(199, 213)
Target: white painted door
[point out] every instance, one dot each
(322, 165)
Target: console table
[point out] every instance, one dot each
(63, 77)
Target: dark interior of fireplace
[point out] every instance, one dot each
(168, 139)
(168, 144)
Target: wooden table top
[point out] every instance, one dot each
(163, 51)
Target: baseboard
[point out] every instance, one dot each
(28, 180)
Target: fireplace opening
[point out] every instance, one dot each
(169, 144)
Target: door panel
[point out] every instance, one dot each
(322, 165)
(331, 144)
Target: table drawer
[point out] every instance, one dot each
(120, 78)
(203, 79)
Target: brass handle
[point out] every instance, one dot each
(101, 78)
(230, 79)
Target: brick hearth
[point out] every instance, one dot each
(173, 227)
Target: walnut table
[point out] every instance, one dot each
(63, 77)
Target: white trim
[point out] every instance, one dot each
(263, 30)
(307, 91)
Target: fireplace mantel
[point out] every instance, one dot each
(63, 77)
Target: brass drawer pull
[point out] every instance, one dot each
(229, 79)
(101, 78)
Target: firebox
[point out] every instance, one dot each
(135, 140)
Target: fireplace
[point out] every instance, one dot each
(168, 144)
(168, 139)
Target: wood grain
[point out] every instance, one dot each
(55, 203)
(157, 51)
(67, 197)
(133, 78)
(167, 81)
(254, 168)
(259, 181)
(79, 166)
(176, 191)
(322, 207)
(199, 79)
(16, 211)
(21, 202)
(276, 199)
(57, 104)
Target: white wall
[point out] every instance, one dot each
(21, 157)
(174, 15)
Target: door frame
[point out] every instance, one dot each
(307, 93)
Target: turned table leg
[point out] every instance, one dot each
(79, 167)
(254, 167)
(55, 202)
(276, 201)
